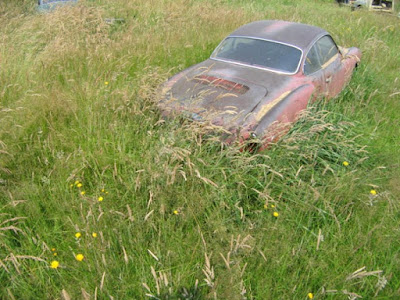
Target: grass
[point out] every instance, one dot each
(181, 216)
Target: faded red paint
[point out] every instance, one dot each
(278, 25)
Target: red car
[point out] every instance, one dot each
(259, 78)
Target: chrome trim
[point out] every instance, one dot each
(256, 67)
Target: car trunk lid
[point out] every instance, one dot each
(214, 97)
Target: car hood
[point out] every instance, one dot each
(221, 92)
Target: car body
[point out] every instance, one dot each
(49, 5)
(259, 78)
(375, 5)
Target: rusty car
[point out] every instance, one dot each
(259, 78)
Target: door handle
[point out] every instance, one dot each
(329, 79)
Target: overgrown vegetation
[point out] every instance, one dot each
(160, 210)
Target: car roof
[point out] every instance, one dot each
(296, 34)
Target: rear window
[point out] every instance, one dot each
(259, 53)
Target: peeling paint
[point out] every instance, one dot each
(267, 107)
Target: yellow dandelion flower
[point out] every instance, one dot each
(100, 199)
(79, 257)
(79, 185)
(276, 214)
(103, 190)
(94, 234)
(78, 235)
(106, 82)
(83, 193)
(55, 254)
(76, 182)
(176, 212)
(372, 192)
(265, 206)
(345, 163)
(272, 205)
(71, 185)
(54, 264)
(53, 249)
(106, 193)
(310, 296)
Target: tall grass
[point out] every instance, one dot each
(163, 209)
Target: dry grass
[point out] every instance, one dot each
(182, 216)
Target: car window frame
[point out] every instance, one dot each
(327, 63)
(257, 67)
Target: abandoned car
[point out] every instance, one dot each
(374, 5)
(259, 78)
(49, 5)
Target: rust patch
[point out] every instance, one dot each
(227, 85)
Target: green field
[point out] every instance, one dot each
(158, 209)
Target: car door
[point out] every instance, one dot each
(313, 71)
(331, 66)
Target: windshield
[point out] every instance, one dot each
(259, 53)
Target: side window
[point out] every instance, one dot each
(327, 49)
(320, 53)
(312, 63)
